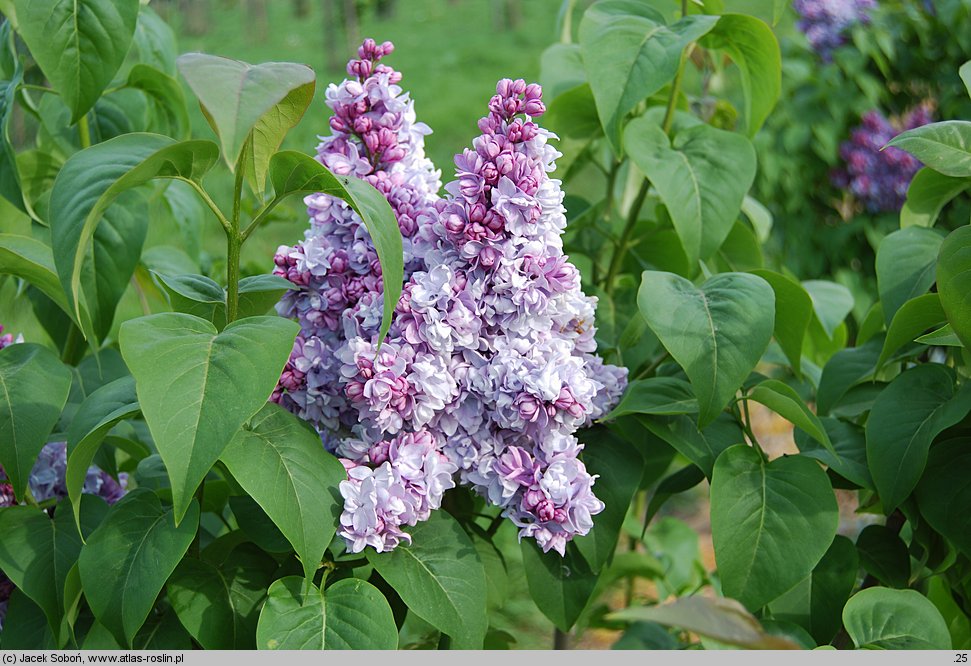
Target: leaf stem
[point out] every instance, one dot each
(43, 89)
(646, 372)
(234, 241)
(206, 199)
(260, 217)
(84, 132)
(632, 215)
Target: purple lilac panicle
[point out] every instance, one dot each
(825, 22)
(488, 369)
(879, 178)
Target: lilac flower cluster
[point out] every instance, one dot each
(489, 367)
(7, 339)
(825, 22)
(879, 178)
(374, 136)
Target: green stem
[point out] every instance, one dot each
(618, 259)
(42, 89)
(73, 349)
(566, 35)
(84, 132)
(260, 218)
(206, 199)
(646, 372)
(234, 241)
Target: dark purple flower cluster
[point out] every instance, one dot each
(875, 176)
(825, 22)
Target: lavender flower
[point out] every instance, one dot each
(825, 22)
(8, 339)
(879, 178)
(488, 369)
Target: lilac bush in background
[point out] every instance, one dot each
(489, 367)
(878, 177)
(826, 22)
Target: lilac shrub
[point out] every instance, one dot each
(489, 366)
(875, 176)
(826, 22)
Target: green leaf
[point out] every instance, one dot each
(771, 522)
(878, 617)
(93, 178)
(702, 447)
(656, 395)
(573, 114)
(561, 585)
(717, 333)
(196, 295)
(831, 303)
(25, 627)
(100, 412)
(629, 54)
(928, 193)
(846, 369)
(833, 581)
(561, 69)
(965, 72)
(200, 597)
(724, 620)
(944, 147)
(255, 103)
(620, 468)
(137, 547)
(884, 555)
(154, 41)
(36, 553)
(752, 45)
(197, 386)
(31, 260)
(759, 216)
(258, 294)
(279, 460)
(945, 490)
(258, 526)
(905, 266)
(351, 614)
(10, 188)
(943, 337)
(78, 44)
(954, 281)
(292, 172)
(912, 318)
(793, 312)
(784, 401)
(165, 93)
(849, 443)
(34, 386)
(906, 417)
(440, 577)
(702, 178)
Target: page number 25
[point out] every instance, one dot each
(961, 658)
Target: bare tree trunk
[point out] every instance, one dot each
(196, 13)
(257, 24)
(301, 8)
(330, 35)
(351, 33)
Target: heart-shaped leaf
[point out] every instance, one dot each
(944, 147)
(137, 547)
(93, 178)
(793, 312)
(561, 69)
(878, 617)
(906, 261)
(927, 194)
(78, 44)
(560, 585)
(279, 461)
(784, 401)
(884, 555)
(165, 94)
(200, 597)
(702, 178)
(197, 386)
(630, 54)
(832, 302)
(849, 445)
(752, 45)
(717, 332)
(351, 614)
(656, 395)
(913, 318)
(440, 577)
(945, 490)
(295, 173)
(905, 419)
(99, 413)
(9, 175)
(954, 282)
(244, 103)
(30, 259)
(702, 447)
(771, 522)
(34, 386)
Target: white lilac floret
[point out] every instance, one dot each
(488, 369)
